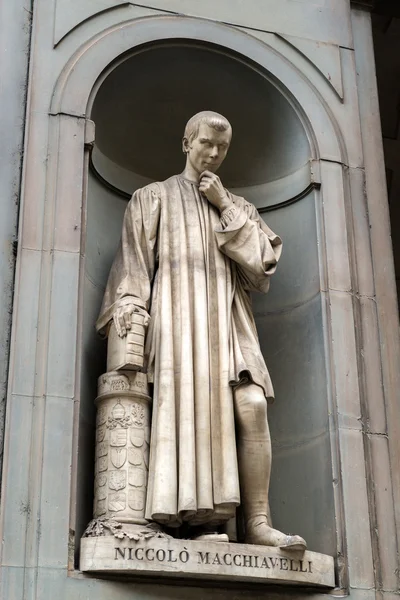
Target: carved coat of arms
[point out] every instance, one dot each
(117, 480)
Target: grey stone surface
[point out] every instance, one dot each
(364, 282)
(345, 114)
(22, 370)
(11, 582)
(67, 224)
(79, 588)
(301, 484)
(335, 222)
(105, 211)
(344, 356)
(15, 18)
(325, 20)
(384, 513)
(296, 281)
(55, 494)
(382, 257)
(375, 415)
(16, 506)
(359, 556)
(325, 57)
(64, 305)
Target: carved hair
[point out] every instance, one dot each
(210, 118)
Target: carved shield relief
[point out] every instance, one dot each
(100, 480)
(118, 437)
(137, 436)
(117, 480)
(102, 464)
(136, 499)
(138, 414)
(135, 456)
(118, 457)
(117, 502)
(136, 476)
(101, 493)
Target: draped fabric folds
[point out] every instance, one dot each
(192, 269)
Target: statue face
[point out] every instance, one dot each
(208, 150)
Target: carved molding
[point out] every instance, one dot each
(72, 13)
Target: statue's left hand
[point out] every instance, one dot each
(211, 186)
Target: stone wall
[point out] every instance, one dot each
(15, 27)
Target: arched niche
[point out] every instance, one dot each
(292, 323)
(140, 111)
(155, 91)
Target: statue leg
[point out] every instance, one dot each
(254, 457)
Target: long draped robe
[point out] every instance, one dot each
(192, 269)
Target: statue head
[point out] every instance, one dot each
(206, 140)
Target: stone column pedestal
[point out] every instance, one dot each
(122, 447)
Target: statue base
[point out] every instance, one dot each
(120, 553)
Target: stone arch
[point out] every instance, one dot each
(87, 68)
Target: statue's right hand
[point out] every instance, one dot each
(123, 319)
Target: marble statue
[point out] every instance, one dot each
(177, 307)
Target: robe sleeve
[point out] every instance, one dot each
(246, 239)
(133, 268)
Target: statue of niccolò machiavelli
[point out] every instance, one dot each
(189, 256)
